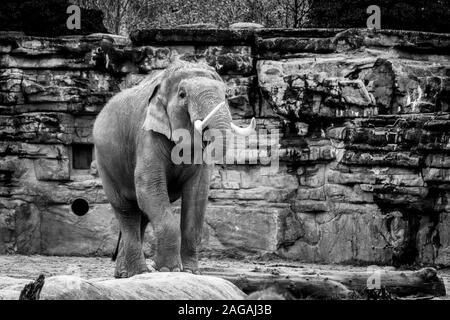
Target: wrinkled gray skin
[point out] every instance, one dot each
(132, 137)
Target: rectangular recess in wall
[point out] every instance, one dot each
(82, 156)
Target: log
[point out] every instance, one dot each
(400, 283)
(32, 290)
(293, 286)
(334, 284)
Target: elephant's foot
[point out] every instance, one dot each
(127, 270)
(193, 271)
(191, 266)
(128, 274)
(167, 264)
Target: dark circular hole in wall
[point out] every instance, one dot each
(79, 207)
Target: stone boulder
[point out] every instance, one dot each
(149, 286)
(246, 25)
(197, 26)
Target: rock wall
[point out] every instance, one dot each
(364, 173)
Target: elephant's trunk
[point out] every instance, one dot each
(221, 121)
(215, 112)
(214, 123)
(215, 115)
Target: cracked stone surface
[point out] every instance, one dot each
(363, 118)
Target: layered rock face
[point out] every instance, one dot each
(363, 171)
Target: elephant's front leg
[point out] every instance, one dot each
(193, 206)
(153, 200)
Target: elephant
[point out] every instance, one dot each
(133, 137)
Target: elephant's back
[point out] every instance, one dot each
(118, 116)
(120, 119)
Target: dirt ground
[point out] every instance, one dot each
(30, 267)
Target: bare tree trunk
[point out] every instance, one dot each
(117, 18)
(295, 13)
(286, 14)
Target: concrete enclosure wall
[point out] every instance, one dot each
(364, 159)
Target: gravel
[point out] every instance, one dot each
(30, 267)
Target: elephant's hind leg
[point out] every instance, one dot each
(130, 260)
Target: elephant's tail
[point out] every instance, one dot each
(116, 251)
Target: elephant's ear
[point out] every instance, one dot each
(157, 119)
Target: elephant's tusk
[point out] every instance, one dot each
(244, 131)
(200, 124)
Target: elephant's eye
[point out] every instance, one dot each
(182, 94)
